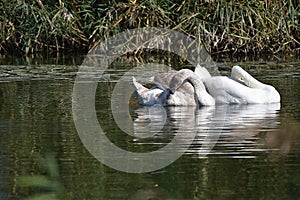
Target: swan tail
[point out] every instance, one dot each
(139, 87)
(151, 79)
(202, 72)
(140, 91)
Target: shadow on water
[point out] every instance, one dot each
(239, 151)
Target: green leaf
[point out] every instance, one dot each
(36, 181)
(48, 196)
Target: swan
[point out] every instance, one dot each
(185, 87)
(181, 87)
(239, 88)
(150, 97)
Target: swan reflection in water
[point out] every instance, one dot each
(233, 128)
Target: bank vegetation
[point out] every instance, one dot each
(246, 26)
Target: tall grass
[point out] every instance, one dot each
(246, 26)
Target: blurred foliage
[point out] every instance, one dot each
(249, 27)
(49, 184)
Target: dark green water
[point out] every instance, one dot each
(257, 155)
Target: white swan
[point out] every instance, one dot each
(240, 88)
(174, 88)
(186, 87)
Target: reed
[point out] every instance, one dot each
(246, 26)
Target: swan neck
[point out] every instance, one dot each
(244, 76)
(253, 83)
(187, 75)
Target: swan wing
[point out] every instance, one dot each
(202, 72)
(225, 90)
(228, 91)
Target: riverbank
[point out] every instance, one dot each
(243, 27)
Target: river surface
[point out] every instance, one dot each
(237, 151)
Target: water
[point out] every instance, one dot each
(239, 151)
